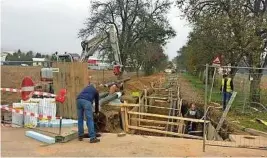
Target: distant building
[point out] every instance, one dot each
(98, 64)
(94, 60)
(38, 62)
(3, 57)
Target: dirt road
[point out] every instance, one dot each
(15, 143)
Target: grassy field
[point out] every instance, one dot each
(246, 119)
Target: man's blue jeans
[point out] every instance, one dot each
(226, 98)
(85, 106)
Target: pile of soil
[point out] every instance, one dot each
(109, 121)
(139, 83)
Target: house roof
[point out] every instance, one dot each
(38, 59)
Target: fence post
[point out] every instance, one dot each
(126, 118)
(60, 125)
(205, 106)
(245, 95)
(213, 78)
(103, 76)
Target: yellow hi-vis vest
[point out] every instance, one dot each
(228, 85)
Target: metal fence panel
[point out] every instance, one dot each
(248, 109)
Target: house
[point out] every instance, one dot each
(98, 64)
(3, 57)
(38, 61)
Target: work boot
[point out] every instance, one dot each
(94, 140)
(86, 135)
(80, 138)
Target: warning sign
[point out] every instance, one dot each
(27, 88)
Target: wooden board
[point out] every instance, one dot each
(73, 77)
(164, 132)
(166, 116)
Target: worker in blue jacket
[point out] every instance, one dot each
(85, 105)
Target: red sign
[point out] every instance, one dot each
(27, 88)
(61, 96)
(216, 60)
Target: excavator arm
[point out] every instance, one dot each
(90, 46)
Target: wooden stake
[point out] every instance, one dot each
(126, 119)
(123, 118)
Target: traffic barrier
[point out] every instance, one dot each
(14, 90)
(59, 98)
(21, 112)
(46, 106)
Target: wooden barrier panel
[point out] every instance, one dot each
(168, 117)
(73, 77)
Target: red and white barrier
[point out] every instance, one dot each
(19, 111)
(34, 92)
(59, 98)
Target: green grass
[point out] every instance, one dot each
(235, 114)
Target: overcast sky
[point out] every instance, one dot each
(52, 25)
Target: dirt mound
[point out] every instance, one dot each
(139, 83)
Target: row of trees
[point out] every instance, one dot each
(24, 56)
(142, 30)
(236, 30)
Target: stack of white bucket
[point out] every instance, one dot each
(30, 121)
(45, 107)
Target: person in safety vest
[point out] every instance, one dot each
(227, 88)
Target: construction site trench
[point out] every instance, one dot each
(159, 97)
(157, 101)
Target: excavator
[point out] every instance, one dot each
(90, 46)
(88, 49)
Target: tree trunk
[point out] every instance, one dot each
(137, 72)
(200, 75)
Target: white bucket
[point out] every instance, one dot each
(30, 121)
(17, 119)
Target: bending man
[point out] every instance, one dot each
(85, 105)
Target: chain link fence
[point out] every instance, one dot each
(243, 122)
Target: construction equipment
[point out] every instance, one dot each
(90, 46)
(170, 68)
(88, 49)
